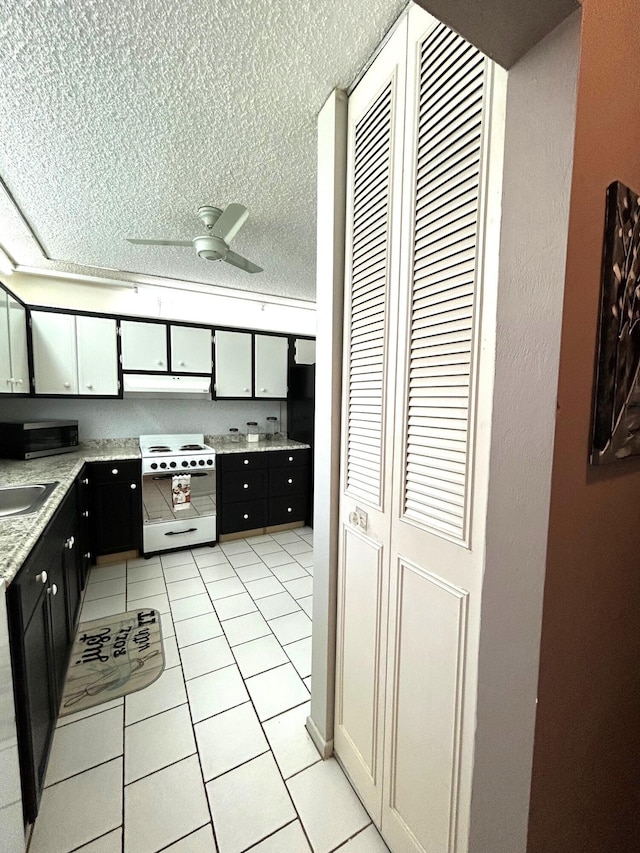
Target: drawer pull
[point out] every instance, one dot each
(53, 589)
(289, 509)
(245, 516)
(87, 556)
(245, 486)
(85, 514)
(180, 532)
(114, 470)
(289, 481)
(291, 459)
(69, 543)
(85, 481)
(133, 486)
(246, 461)
(42, 577)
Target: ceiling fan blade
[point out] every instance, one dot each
(160, 242)
(230, 222)
(240, 262)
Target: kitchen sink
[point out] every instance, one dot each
(22, 500)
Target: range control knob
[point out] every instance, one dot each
(200, 461)
(193, 463)
(172, 464)
(185, 464)
(209, 461)
(154, 465)
(163, 464)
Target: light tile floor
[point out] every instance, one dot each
(214, 756)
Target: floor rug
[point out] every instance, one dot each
(111, 657)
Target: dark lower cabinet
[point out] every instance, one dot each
(85, 546)
(43, 602)
(262, 489)
(116, 506)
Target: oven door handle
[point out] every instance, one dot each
(180, 532)
(170, 476)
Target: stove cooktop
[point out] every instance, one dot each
(175, 453)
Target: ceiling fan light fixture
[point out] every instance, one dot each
(210, 248)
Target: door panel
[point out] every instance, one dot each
(144, 345)
(424, 710)
(54, 353)
(6, 375)
(372, 264)
(190, 349)
(359, 678)
(18, 346)
(97, 356)
(272, 354)
(233, 364)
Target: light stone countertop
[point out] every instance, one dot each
(19, 534)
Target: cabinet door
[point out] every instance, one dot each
(116, 509)
(233, 364)
(272, 355)
(144, 345)
(18, 346)
(54, 353)
(97, 356)
(38, 698)
(190, 350)
(6, 375)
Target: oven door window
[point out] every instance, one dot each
(158, 504)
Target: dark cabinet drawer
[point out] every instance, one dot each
(288, 458)
(241, 461)
(288, 481)
(289, 508)
(244, 515)
(109, 472)
(243, 485)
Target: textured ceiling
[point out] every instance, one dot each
(122, 118)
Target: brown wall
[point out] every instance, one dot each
(586, 775)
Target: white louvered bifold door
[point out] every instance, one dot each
(375, 128)
(433, 570)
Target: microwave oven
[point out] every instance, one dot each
(31, 439)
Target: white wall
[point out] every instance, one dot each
(197, 305)
(130, 418)
(535, 206)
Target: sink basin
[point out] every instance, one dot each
(21, 500)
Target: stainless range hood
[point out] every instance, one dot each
(173, 387)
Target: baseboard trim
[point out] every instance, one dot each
(324, 747)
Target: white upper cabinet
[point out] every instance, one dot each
(233, 364)
(190, 349)
(271, 366)
(97, 356)
(54, 353)
(14, 367)
(144, 345)
(74, 354)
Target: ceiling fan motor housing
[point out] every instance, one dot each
(210, 248)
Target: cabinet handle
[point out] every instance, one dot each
(67, 385)
(10, 381)
(245, 389)
(246, 461)
(89, 385)
(18, 381)
(53, 589)
(245, 486)
(87, 555)
(263, 389)
(114, 470)
(85, 514)
(133, 486)
(69, 543)
(85, 481)
(289, 509)
(291, 459)
(181, 363)
(245, 515)
(42, 577)
(289, 481)
(160, 363)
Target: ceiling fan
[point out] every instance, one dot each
(221, 227)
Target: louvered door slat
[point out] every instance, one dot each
(368, 299)
(447, 165)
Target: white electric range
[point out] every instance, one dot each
(169, 520)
